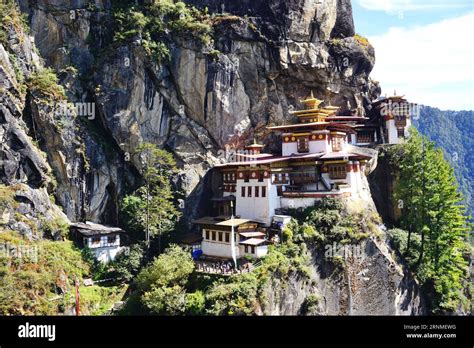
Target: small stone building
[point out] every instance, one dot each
(104, 241)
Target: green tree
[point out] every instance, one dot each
(127, 264)
(429, 198)
(162, 284)
(152, 207)
(236, 297)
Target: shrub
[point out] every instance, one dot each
(56, 228)
(172, 267)
(310, 305)
(362, 40)
(10, 16)
(399, 238)
(45, 83)
(153, 24)
(127, 263)
(195, 303)
(169, 300)
(28, 284)
(236, 297)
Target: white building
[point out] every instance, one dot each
(321, 156)
(103, 241)
(249, 240)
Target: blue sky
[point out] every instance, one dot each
(424, 48)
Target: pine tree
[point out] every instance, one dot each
(152, 209)
(430, 200)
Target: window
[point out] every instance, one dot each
(227, 237)
(213, 235)
(264, 191)
(364, 137)
(252, 249)
(111, 239)
(246, 249)
(400, 132)
(207, 234)
(246, 176)
(260, 177)
(96, 240)
(338, 171)
(249, 191)
(220, 236)
(337, 143)
(303, 144)
(279, 191)
(400, 121)
(257, 192)
(242, 191)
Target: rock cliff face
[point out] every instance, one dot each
(372, 283)
(199, 103)
(266, 56)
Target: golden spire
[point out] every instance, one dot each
(311, 103)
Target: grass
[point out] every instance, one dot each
(11, 17)
(362, 40)
(7, 196)
(45, 284)
(45, 83)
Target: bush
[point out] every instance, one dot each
(161, 285)
(10, 16)
(28, 285)
(236, 297)
(310, 305)
(45, 84)
(173, 267)
(57, 228)
(154, 23)
(127, 263)
(362, 40)
(195, 303)
(169, 300)
(399, 238)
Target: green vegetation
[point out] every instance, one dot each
(7, 196)
(310, 305)
(153, 24)
(456, 138)
(41, 281)
(169, 285)
(152, 206)
(56, 228)
(161, 284)
(328, 222)
(36, 283)
(10, 17)
(237, 296)
(127, 264)
(436, 242)
(44, 83)
(98, 300)
(362, 40)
